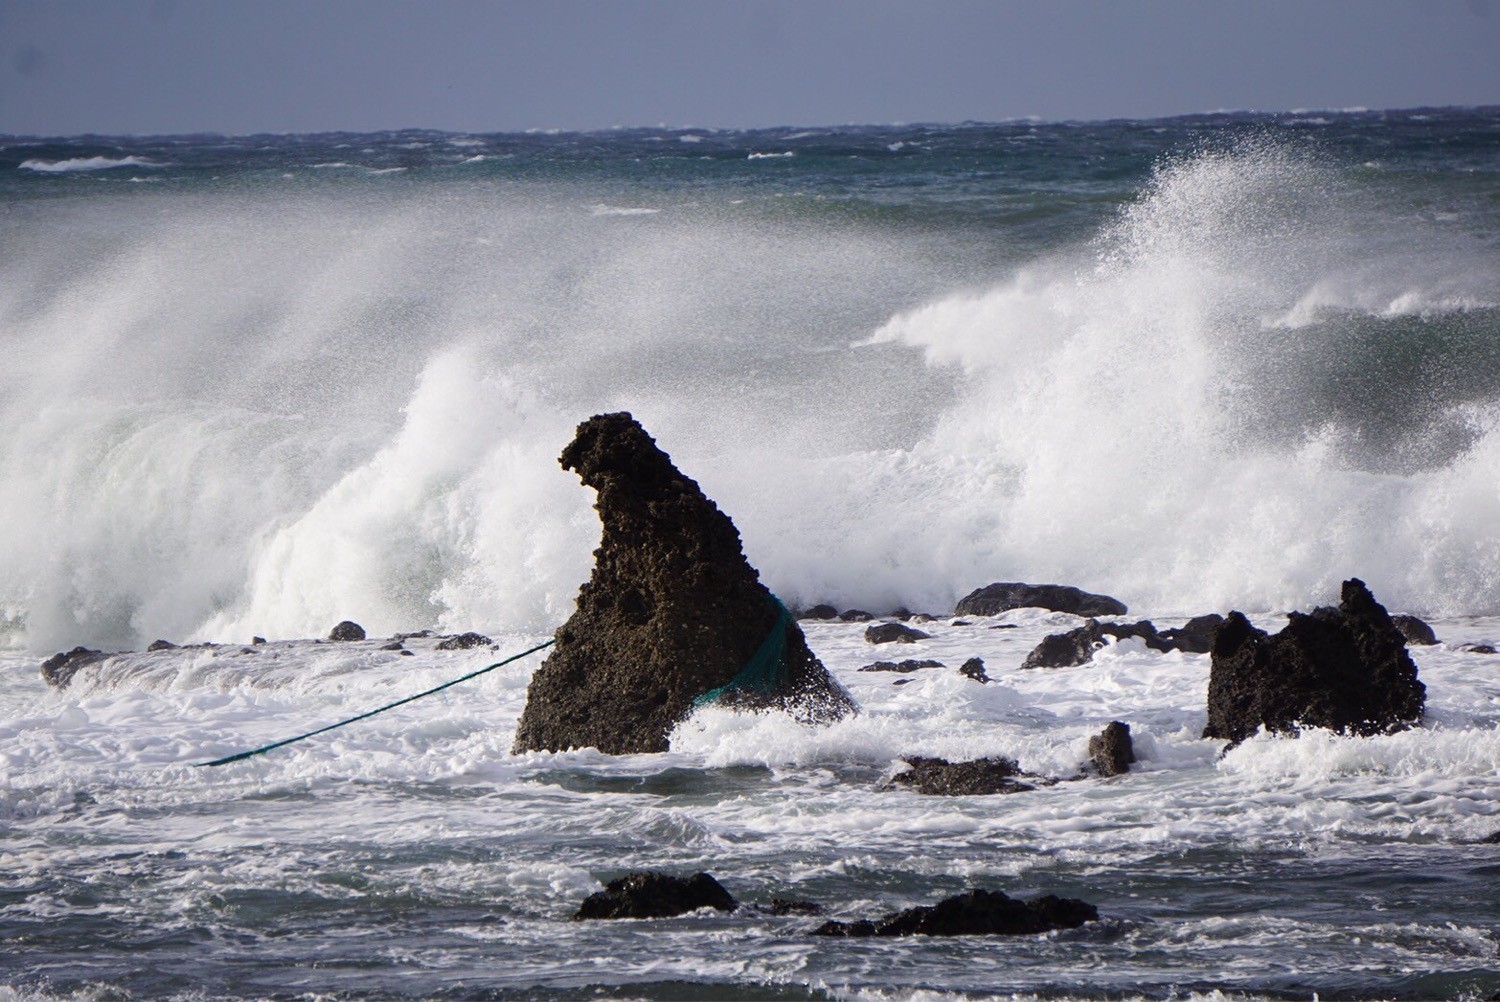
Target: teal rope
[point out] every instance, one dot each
(389, 706)
(762, 675)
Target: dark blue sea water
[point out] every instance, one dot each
(256, 385)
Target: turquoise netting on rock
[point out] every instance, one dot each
(765, 672)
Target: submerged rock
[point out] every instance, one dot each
(977, 913)
(672, 615)
(1345, 669)
(905, 667)
(894, 633)
(464, 641)
(347, 631)
(1002, 596)
(652, 894)
(59, 669)
(161, 645)
(1196, 636)
(977, 778)
(1111, 751)
(1077, 646)
(855, 616)
(784, 906)
(1415, 630)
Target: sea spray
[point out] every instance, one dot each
(261, 404)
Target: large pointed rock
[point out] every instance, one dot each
(673, 615)
(1345, 669)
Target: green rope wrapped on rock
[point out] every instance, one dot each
(764, 674)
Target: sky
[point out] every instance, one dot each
(69, 67)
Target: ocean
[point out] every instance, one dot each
(256, 385)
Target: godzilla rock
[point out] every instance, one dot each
(464, 641)
(347, 631)
(1345, 669)
(974, 668)
(1196, 636)
(1110, 751)
(1414, 630)
(991, 600)
(894, 633)
(1077, 646)
(59, 669)
(977, 913)
(979, 778)
(651, 894)
(672, 615)
(905, 667)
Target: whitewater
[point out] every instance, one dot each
(258, 385)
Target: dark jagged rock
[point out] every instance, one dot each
(855, 616)
(1002, 596)
(978, 778)
(820, 612)
(60, 668)
(1110, 751)
(257, 641)
(894, 633)
(1077, 646)
(977, 913)
(905, 667)
(161, 645)
(464, 641)
(671, 613)
(974, 668)
(652, 894)
(347, 631)
(1345, 669)
(1196, 636)
(782, 906)
(1415, 630)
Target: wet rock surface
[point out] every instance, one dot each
(977, 778)
(1111, 751)
(904, 667)
(974, 668)
(1345, 669)
(464, 642)
(1415, 630)
(347, 631)
(672, 612)
(1077, 646)
(1196, 636)
(1002, 596)
(976, 913)
(894, 633)
(653, 894)
(59, 669)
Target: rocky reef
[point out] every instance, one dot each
(976, 913)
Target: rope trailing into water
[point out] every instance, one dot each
(762, 675)
(389, 706)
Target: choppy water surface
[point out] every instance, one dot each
(257, 385)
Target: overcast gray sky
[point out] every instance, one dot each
(236, 66)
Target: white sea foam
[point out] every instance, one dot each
(85, 164)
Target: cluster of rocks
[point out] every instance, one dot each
(650, 894)
(60, 669)
(1078, 646)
